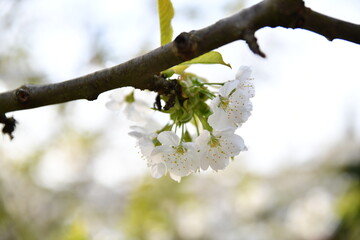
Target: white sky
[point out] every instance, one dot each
(307, 87)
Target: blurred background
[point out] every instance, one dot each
(72, 172)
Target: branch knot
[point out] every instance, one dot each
(185, 46)
(23, 95)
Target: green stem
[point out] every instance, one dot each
(204, 123)
(182, 132)
(221, 84)
(196, 124)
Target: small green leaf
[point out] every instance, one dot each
(166, 13)
(208, 58)
(178, 69)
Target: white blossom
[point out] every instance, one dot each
(157, 168)
(232, 106)
(166, 152)
(245, 81)
(215, 149)
(145, 139)
(146, 145)
(179, 157)
(123, 100)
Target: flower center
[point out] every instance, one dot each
(224, 102)
(214, 142)
(180, 149)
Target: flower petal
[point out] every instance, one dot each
(219, 120)
(136, 134)
(175, 177)
(132, 113)
(158, 170)
(180, 162)
(195, 163)
(219, 164)
(162, 149)
(146, 146)
(228, 88)
(233, 144)
(204, 163)
(243, 73)
(155, 158)
(215, 150)
(113, 105)
(168, 138)
(202, 147)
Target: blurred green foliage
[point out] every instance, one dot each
(349, 204)
(153, 208)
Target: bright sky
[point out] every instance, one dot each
(307, 89)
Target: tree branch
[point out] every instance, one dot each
(141, 72)
(331, 28)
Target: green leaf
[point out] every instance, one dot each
(208, 58)
(166, 13)
(178, 69)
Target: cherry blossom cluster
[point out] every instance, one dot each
(175, 151)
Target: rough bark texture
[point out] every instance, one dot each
(141, 72)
